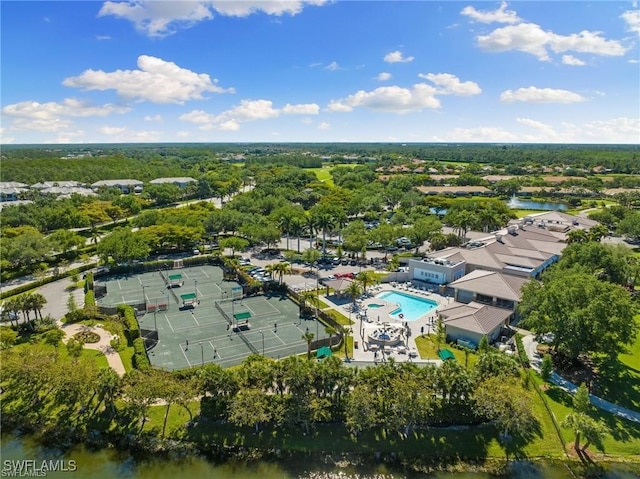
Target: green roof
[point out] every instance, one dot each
(188, 296)
(173, 277)
(446, 354)
(244, 315)
(323, 352)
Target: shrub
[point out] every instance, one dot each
(522, 353)
(140, 358)
(132, 332)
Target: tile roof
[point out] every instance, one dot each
(475, 317)
(492, 283)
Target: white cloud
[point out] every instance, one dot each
(545, 129)
(534, 94)
(383, 76)
(163, 18)
(243, 8)
(573, 61)
(333, 66)
(530, 38)
(397, 57)
(157, 81)
(50, 116)
(324, 126)
(633, 60)
(301, 109)
(478, 134)
(103, 37)
(389, 98)
(632, 19)
(501, 15)
(614, 130)
(157, 117)
(52, 110)
(247, 110)
(449, 84)
(124, 135)
(112, 130)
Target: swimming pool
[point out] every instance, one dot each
(411, 307)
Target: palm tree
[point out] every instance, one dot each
(310, 226)
(308, 337)
(281, 269)
(297, 227)
(354, 291)
(306, 297)
(37, 302)
(330, 331)
(284, 223)
(324, 220)
(366, 278)
(311, 256)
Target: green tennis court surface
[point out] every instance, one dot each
(202, 324)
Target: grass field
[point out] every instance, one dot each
(323, 174)
(428, 349)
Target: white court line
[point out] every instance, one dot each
(203, 272)
(194, 318)
(169, 323)
(185, 356)
(119, 286)
(184, 273)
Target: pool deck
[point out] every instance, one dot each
(367, 319)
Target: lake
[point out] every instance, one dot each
(81, 463)
(516, 203)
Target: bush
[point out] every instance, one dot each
(522, 354)
(132, 332)
(140, 358)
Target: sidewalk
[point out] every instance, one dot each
(104, 345)
(530, 346)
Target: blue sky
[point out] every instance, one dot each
(320, 71)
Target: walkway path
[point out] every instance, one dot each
(104, 345)
(530, 346)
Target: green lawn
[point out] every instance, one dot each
(620, 382)
(428, 349)
(624, 437)
(522, 213)
(323, 174)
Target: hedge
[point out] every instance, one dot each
(140, 359)
(522, 353)
(132, 332)
(89, 299)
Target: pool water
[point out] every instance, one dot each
(411, 307)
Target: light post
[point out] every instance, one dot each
(195, 287)
(144, 296)
(202, 353)
(262, 334)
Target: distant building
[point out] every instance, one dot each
(455, 190)
(56, 184)
(181, 182)
(11, 190)
(126, 186)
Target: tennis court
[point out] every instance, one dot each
(206, 319)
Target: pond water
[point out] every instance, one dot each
(81, 463)
(520, 204)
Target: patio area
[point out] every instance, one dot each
(373, 323)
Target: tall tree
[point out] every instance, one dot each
(585, 315)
